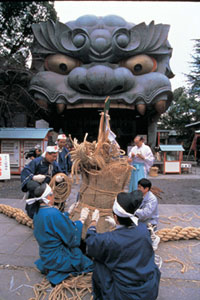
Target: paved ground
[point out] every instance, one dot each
(19, 250)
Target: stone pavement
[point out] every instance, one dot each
(19, 250)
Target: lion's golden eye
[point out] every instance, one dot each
(60, 64)
(140, 64)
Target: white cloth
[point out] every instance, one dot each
(72, 207)
(59, 178)
(84, 214)
(145, 151)
(51, 149)
(39, 178)
(95, 215)
(61, 137)
(120, 212)
(43, 198)
(110, 220)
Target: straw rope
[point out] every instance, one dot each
(178, 233)
(17, 213)
(166, 234)
(61, 190)
(72, 288)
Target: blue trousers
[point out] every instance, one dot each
(136, 175)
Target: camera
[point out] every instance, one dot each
(30, 153)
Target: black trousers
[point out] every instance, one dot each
(31, 208)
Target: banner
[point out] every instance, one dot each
(4, 166)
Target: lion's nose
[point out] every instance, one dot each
(100, 80)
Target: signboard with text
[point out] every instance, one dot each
(4, 166)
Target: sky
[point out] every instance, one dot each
(183, 18)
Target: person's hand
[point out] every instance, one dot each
(84, 214)
(140, 156)
(59, 178)
(129, 159)
(39, 178)
(111, 221)
(72, 207)
(132, 155)
(95, 216)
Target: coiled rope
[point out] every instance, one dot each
(61, 190)
(72, 288)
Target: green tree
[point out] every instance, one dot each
(16, 19)
(194, 76)
(16, 38)
(185, 109)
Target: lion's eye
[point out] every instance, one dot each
(60, 64)
(140, 64)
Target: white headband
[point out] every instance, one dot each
(43, 198)
(61, 137)
(52, 149)
(120, 212)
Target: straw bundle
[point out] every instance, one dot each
(104, 173)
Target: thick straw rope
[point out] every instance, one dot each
(16, 213)
(166, 234)
(178, 233)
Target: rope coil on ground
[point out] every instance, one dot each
(72, 288)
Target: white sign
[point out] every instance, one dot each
(172, 167)
(4, 166)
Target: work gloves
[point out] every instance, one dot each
(84, 214)
(95, 216)
(59, 178)
(39, 178)
(111, 221)
(72, 207)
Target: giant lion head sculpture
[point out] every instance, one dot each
(80, 63)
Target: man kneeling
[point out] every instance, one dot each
(124, 258)
(58, 237)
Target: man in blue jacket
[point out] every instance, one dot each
(37, 171)
(64, 158)
(58, 238)
(124, 266)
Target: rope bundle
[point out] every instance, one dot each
(93, 157)
(61, 190)
(178, 233)
(73, 288)
(16, 213)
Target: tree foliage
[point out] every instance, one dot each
(16, 19)
(185, 109)
(194, 76)
(16, 38)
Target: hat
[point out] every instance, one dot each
(61, 137)
(130, 202)
(51, 149)
(37, 146)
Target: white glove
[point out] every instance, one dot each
(155, 238)
(39, 178)
(95, 215)
(84, 214)
(155, 241)
(59, 178)
(72, 206)
(111, 221)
